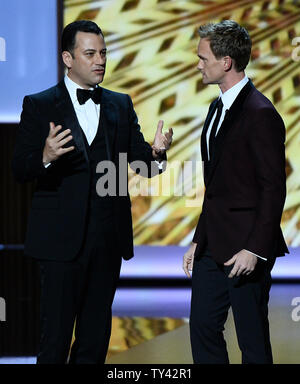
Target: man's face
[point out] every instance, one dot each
(212, 69)
(87, 66)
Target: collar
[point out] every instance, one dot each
(231, 94)
(72, 88)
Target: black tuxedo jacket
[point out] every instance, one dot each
(245, 181)
(59, 206)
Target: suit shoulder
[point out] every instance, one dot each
(256, 101)
(109, 92)
(116, 96)
(43, 96)
(259, 107)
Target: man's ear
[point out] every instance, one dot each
(67, 59)
(227, 63)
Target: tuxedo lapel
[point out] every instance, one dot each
(68, 118)
(67, 113)
(230, 117)
(108, 122)
(211, 111)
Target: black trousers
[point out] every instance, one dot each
(213, 293)
(80, 291)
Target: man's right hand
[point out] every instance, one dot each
(54, 143)
(188, 259)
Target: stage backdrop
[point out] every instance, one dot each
(28, 52)
(152, 56)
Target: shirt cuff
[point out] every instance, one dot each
(46, 165)
(159, 164)
(256, 255)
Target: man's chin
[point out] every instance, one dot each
(101, 77)
(207, 81)
(98, 79)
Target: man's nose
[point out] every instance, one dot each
(100, 59)
(200, 65)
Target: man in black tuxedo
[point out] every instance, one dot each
(238, 235)
(69, 135)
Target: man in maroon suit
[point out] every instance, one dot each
(238, 235)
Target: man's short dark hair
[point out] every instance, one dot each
(68, 39)
(228, 38)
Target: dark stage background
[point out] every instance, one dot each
(19, 279)
(18, 275)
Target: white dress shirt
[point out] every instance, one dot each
(88, 114)
(228, 98)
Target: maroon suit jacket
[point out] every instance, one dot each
(245, 181)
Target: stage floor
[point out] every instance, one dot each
(150, 325)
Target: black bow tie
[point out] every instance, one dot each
(84, 94)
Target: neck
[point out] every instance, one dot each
(231, 80)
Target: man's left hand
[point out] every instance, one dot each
(244, 263)
(162, 142)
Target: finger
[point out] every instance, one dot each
(164, 140)
(65, 141)
(62, 151)
(230, 261)
(248, 271)
(63, 134)
(233, 271)
(184, 267)
(168, 141)
(187, 272)
(186, 263)
(240, 271)
(52, 125)
(54, 129)
(160, 126)
(169, 134)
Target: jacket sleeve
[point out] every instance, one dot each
(266, 143)
(199, 230)
(27, 163)
(140, 153)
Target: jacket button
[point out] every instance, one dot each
(209, 196)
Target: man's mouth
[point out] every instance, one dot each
(100, 71)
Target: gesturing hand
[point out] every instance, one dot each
(54, 143)
(162, 142)
(244, 263)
